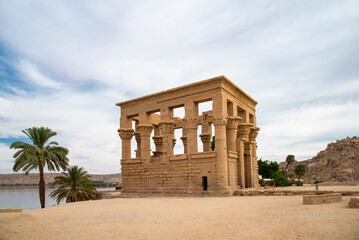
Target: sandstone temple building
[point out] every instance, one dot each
(231, 166)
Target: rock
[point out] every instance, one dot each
(339, 162)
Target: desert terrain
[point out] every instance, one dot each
(237, 217)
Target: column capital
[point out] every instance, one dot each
(166, 127)
(157, 140)
(253, 133)
(137, 136)
(191, 123)
(232, 122)
(125, 133)
(244, 130)
(144, 130)
(218, 121)
(206, 138)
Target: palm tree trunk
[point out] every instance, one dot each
(42, 186)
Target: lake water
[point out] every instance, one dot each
(27, 197)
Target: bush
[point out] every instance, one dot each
(299, 183)
(318, 181)
(262, 183)
(280, 180)
(287, 182)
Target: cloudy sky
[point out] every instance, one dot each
(64, 64)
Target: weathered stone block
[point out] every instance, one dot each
(354, 203)
(324, 198)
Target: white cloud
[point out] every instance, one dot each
(5, 158)
(33, 74)
(299, 60)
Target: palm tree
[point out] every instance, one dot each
(39, 154)
(290, 159)
(300, 170)
(74, 185)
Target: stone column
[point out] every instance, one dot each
(231, 131)
(252, 138)
(206, 136)
(158, 140)
(145, 134)
(240, 163)
(221, 154)
(191, 131)
(126, 134)
(184, 139)
(243, 171)
(138, 140)
(166, 130)
(206, 140)
(191, 124)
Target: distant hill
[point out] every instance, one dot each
(33, 178)
(339, 162)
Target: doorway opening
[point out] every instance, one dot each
(204, 183)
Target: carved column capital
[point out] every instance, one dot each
(166, 127)
(158, 140)
(190, 123)
(253, 133)
(232, 122)
(218, 121)
(137, 137)
(244, 130)
(206, 138)
(144, 130)
(125, 133)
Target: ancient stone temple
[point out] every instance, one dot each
(231, 166)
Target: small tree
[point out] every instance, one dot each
(280, 180)
(290, 159)
(74, 185)
(267, 168)
(300, 171)
(213, 143)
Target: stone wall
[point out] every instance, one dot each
(325, 198)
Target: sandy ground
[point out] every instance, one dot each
(246, 217)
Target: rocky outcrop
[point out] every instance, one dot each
(339, 162)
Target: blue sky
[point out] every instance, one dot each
(64, 64)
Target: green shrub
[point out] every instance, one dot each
(262, 183)
(299, 183)
(318, 181)
(280, 179)
(287, 182)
